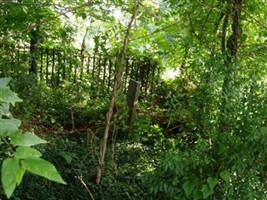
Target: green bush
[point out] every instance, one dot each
(62, 107)
(75, 157)
(16, 146)
(231, 167)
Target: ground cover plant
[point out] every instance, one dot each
(197, 96)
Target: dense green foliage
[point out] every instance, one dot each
(199, 133)
(16, 146)
(75, 157)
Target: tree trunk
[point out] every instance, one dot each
(229, 49)
(120, 65)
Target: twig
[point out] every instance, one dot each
(115, 91)
(8, 144)
(80, 178)
(256, 20)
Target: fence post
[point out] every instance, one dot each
(132, 100)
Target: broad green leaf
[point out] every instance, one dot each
(188, 188)
(6, 95)
(207, 191)
(83, 15)
(10, 169)
(42, 168)
(113, 60)
(4, 81)
(8, 126)
(4, 110)
(20, 175)
(68, 156)
(26, 139)
(197, 194)
(212, 182)
(26, 152)
(225, 175)
(264, 131)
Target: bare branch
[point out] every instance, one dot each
(118, 75)
(256, 20)
(80, 178)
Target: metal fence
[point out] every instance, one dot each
(55, 65)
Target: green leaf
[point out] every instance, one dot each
(4, 81)
(24, 9)
(212, 182)
(42, 168)
(188, 188)
(10, 169)
(197, 194)
(207, 191)
(8, 125)
(264, 131)
(6, 95)
(113, 60)
(4, 110)
(26, 152)
(68, 156)
(26, 139)
(83, 15)
(20, 175)
(225, 175)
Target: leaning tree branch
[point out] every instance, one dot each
(80, 178)
(118, 76)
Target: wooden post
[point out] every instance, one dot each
(132, 100)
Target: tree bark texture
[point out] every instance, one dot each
(229, 49)
(120, 65)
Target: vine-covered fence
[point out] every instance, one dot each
(56, 65)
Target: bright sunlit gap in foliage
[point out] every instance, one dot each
(171, 73)
(94, 26)
(153, 3)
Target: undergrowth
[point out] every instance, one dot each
(75, 158)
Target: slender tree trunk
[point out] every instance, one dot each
(120, 63)
(229, 49)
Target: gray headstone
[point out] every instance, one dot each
(132, 101)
